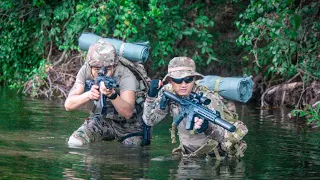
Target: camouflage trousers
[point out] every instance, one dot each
(97, 128)
(213, 149)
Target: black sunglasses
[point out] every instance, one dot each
(187, 80)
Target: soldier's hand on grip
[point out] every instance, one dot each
(200, 125)
(94, 93)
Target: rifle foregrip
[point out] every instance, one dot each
(225, 124)
(88, 85)
(163, 102)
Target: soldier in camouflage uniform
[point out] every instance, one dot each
(122, 119)
(208, 138)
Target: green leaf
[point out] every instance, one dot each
(46, 22)
(203, 50)
(260, 10)
(297, 21)
(116, 33)
(209, 60)
(211, 23)
(187, 32)
(93, 20)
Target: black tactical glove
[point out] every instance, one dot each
(153, 90)
(204, 126)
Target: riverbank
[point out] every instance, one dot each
(293, 93)
(61, 74)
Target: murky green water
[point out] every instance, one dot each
(33, 145)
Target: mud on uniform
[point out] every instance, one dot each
(214, 140)
(110, 126)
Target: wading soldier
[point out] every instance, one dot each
(207, 138)
(121, 121)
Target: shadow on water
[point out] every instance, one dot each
(33, 136)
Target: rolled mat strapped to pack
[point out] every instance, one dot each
(136, 52)
(232, 88)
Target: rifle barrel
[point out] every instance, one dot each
(225, 124)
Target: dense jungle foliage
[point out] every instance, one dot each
(276, 41)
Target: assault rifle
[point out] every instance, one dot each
(192, 106)
(109, 82)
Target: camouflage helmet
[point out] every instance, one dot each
(180, 67)
(101, 54)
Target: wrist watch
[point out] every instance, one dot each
(113, 96)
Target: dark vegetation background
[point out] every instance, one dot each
(276, 41)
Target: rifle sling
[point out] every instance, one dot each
(216, 88)
(131, 135)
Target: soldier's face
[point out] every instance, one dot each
(94, 71)
(182, 86)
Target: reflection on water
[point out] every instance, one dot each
(109, 160)
(33, 136)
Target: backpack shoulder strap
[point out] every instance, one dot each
(138, 69)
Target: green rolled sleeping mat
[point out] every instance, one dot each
(232, 88)
(136, 52)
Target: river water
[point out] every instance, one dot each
(33, 136)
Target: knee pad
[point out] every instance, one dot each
(74, 141)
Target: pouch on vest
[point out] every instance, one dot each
(232, 139)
